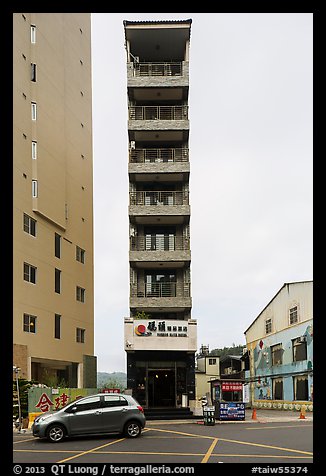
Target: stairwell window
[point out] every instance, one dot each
(30, 273)
(80, 294)
(57, 326)
(33, 72)
(80, 335)
(34, 189)
(29, 323)
(34, 150)
(57, 281)
(34, 111)
(57, 245)
(29, 225)
(33, 34)
(80, 254)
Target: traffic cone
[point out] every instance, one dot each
(302, 413)
(254, 414)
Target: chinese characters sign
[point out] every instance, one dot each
(232, 411)
(231, 386)
(146, 328)
(45, 404)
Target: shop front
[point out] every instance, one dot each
(161, 379)
(227, 398)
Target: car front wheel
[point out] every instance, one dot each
(56, 433)
(132, 429)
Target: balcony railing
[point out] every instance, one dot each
(150, 198)
(158, 69)
(162, 113)
(161, 243)
(161, 290)
(158, 155)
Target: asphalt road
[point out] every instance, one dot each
(285, 442)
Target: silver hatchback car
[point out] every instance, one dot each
(98, 414)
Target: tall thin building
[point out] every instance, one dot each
(160, 335)
(53, 312)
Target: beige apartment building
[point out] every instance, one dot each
(53, 308)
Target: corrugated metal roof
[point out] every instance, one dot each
(284, 285)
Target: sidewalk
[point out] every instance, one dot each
(262, 416)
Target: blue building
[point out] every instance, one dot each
(280, 346)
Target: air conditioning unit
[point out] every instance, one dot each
(302, 339)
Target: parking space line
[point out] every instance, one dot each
(266, 446)
(23, 441)
(183, 433)
(219, 455)
(153, 453)
(46, 451)
(91, 450)
(209, 451)
(273, 427)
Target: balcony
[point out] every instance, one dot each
(168, 295)
(159, 198)
(157, 156)
(144, 162)
(158, 113)
(169, 206)
(163, 250)
(151, 74)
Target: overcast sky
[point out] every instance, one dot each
(251, 139)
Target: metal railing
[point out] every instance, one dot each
(158, 155)
(155, 243)
(168, 289)
(162, 113)
(169, 198)
(158, 69)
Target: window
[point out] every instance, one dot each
(211, 361)
(34, 150)
(29, 225)
(29, 273)
(34, 188)
(57, 281)
(268, 326)
(90, 403)
(299, 349)
(33, 72)
(29, 323)
(293, 315)
(300, 388)
(80, 294)
(114, 401)
(33, 34)
(80, 335)
(57, 326)
(80, 254)
(33, 108)
(277, 354)
(57, 245)
(277, 388)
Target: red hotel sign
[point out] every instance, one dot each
(231, 386)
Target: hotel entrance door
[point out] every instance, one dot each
(161, 388)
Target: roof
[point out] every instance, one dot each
(155, 22)
(278, 292)
(226, 357)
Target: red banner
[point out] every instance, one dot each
(231, 386)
